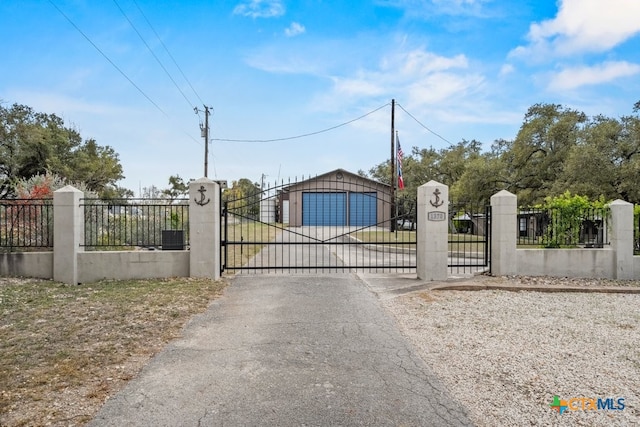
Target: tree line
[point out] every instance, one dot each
(36, 144)
(556, 150)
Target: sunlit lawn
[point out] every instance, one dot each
(467, 243)
(239, 254)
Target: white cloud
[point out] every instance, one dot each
(294, 29)
(506, 70)
(572, 78)
(420, 79)
(365, 86)
(260, 9)
(64, 105)
(583, 26)
(426, 9)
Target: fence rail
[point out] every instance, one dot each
(136, 224)
(26, 224)
(557, 228)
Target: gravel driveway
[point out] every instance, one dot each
(505, 355)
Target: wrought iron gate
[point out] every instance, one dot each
(469, 238)
(335, 222)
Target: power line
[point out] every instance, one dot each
(418, 121)
(153, 54)
(104, 55)
(303, 135)
(107, 58)
(168, 52)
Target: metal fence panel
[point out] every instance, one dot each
(26, 224)
(554, 228)
(136, 224)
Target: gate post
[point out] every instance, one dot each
(204, 228)
(432, 231)
(68, 232)
(504, 233)
(621, 238)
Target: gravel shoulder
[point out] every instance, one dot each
(504, 355)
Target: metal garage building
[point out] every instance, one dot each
(337, 198)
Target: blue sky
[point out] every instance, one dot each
(271, 69)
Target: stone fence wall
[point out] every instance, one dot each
(615, 261)
(69, 263)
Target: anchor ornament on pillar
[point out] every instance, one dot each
(202, 202)
(437, 203)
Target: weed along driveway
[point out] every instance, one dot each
(287, 350)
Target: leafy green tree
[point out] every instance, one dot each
(33, 143)
(243, 198)
(483, 177)
(541, 148)
(567, 214)
(590, 168)
(605, 162)
(178, 188)
(556, 149)
(112, 192)
(98, 167)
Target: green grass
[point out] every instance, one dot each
(239, 254)
(467, 243)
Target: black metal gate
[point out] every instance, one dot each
(469, 238)
(336, 222)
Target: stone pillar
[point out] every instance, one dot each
(504, 233)
(621, 238)
(204, 228)
(68, 232)
(432, 231)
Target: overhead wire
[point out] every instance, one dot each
(105, 56)
(153, 53)
(168, 52)
(425, 127)
(306, 134)
(191, 86)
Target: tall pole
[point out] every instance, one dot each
(206, 141)
(393, 166)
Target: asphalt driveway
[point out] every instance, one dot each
(286, 350)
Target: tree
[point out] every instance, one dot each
(556, 149)
(541, 148)
(33, 143)
(178, 188)
(151, 192)
(96, 166)
(483, 177)
(243, 198)
(592, 166)
(112, 192)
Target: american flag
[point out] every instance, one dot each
(399, 157)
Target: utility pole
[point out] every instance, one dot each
(204, 132)
(206, 141)
(393, 166)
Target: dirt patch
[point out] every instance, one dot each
(65, 349)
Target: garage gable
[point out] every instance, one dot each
(337, 198)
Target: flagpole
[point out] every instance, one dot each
(393, 167)
(397, 180)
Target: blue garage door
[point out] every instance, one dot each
(362, 209)
(324, 208)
